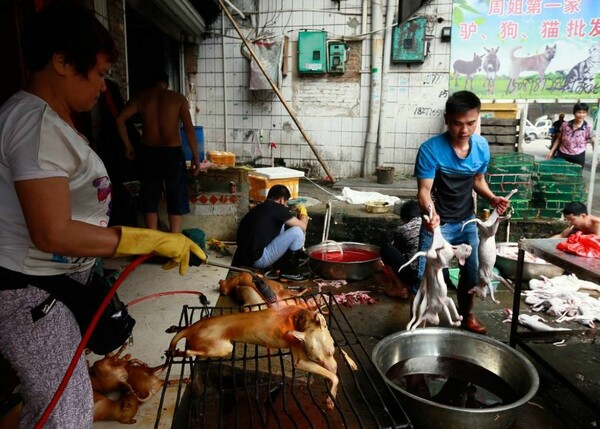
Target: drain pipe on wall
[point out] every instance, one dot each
(224, 72)
(390, 13)
(375, 93)
(365, 16)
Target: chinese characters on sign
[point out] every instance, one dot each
(529, 49)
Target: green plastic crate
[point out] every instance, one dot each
(558, 178)
(536, 202)
(512, 159)
(483, 204)
(559, 187)
(561, 196)
(555, 204)
(510, 169)
(550, 214)
(519, 203)
(557, 166)
(507, 178)
(524, 213)
(524, 190)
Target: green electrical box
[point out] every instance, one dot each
(336, 61)
(408, 41)
(312, 52)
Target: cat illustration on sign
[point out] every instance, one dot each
(537, 63)
(582, 76)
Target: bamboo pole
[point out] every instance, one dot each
(278, 92)
(590, 201)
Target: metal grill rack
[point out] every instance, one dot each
(259, 388)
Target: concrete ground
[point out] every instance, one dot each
(553, 408)
(148, 291)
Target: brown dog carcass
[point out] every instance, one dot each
(122, 410)
(432, 296)
(487, 253)
(246, 293)
(143, 379)
(109, 373)
(301, 330)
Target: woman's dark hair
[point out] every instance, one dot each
(278, 191)
(70, 30)
(462, 102)
(575, 208)
(409, 210)
(580, 106)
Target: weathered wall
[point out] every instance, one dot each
(365, 228)
(333, 109)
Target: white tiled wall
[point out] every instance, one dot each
(334, 112)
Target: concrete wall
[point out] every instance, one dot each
(333, 109)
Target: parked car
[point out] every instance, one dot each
(541, 130)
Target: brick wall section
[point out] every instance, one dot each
(326, 94)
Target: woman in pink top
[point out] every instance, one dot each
(574, 137)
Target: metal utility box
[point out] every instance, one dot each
(408, 43)
(312, 54)
(336, 62)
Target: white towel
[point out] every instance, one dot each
(359, 197)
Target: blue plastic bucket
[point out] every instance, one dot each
(199, 130)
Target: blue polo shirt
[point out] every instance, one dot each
(452, 176)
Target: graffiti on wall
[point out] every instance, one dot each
(526, 49)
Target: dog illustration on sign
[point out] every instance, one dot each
(537, 63)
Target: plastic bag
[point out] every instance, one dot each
(586, 245)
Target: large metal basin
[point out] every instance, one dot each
(332, 270)
(503, 361)
(531, 270)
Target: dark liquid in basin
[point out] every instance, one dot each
(451, 382)
(354, 255)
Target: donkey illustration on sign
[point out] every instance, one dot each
(491, 65)
(467, 68)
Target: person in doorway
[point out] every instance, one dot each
(162, 161)
(270, 233)
(556, 125)
(577, 216)
(573, 138)
(55, 195)
(449, 167)
(404, 247)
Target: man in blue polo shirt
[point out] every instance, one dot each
(448, 168)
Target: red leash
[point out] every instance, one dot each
(86, 338)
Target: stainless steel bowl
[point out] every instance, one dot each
(502, 360)
(352, 271)
(531, 270)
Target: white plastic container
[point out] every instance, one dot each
(262, 179)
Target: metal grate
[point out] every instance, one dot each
(259, 388)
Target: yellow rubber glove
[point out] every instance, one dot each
(301, 210)
(141, 241)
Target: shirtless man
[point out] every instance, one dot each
(579, 220)
(162, 158)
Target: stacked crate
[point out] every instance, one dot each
(556, 183)
(512, 171)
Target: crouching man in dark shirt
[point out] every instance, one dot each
(270, 232)
(448, 168)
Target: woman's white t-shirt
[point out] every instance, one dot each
(35, 143)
